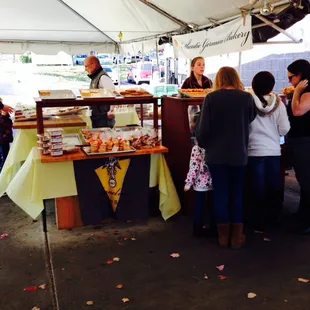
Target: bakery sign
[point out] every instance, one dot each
(234, 36)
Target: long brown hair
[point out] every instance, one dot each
(227, 77)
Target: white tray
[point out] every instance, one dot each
(86, 150)
(71, 139)
(59, 94)
(101, 93)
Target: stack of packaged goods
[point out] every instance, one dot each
(43, 144)
(56, 141)
(51, 142)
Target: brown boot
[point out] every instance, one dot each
(223, 234)
(237, 237)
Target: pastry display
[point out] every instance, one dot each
(145, 142)
(121, 140)
(195, 92)
(135, 93)
(99, 145)
(44, 92)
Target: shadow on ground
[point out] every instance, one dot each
(151, 279)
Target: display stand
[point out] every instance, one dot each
(176, 136)
(67, 208)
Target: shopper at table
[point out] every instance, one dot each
(264, 151)
(298, 74)
(223, 131)
(199, 178)
(102, 116)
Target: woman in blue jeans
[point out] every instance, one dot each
(223, 131)
(264, 151)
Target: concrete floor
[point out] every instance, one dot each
(73, 264)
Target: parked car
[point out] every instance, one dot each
(142, 73)
(112, 74)
(79, 59)
(104, 59)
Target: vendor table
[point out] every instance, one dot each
(36, 181)
(44, 177)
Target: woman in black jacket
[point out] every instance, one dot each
(223, 130)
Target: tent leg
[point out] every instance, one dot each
(240, 64)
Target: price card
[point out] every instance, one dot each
(115, 149)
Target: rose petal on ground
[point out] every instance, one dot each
(133, 239)
(110, 261)
(206, 277)
(3, 236)
(89, 303)
(119, 285)
(220, 267)
(303, 280)
(125, 238)
(125, 299)
(251, 295)
(116, 259)
(285, 300)
(267, 239)
(101, 237)
(175, 255)
(121, 243)
(35, 308)
(31, 288)
(42, 286)
(222, 277)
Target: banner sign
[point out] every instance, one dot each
(113, 187)
(234, 36)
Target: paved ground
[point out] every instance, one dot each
(151, 279)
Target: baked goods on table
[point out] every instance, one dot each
(195, 92)
(44, 92)
(133, 92)
(109, 140)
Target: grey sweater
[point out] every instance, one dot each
(223, 126)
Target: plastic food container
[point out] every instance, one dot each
(43, 137)
(56, 139)
(44, 151)
(56, 146)
(54, 131)
(57, 152)
(43, 145)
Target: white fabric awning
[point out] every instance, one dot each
(78, 26)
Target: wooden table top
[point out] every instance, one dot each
(57, 121)
(82, 156)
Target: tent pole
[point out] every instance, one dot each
(240, 64)
(157, 61)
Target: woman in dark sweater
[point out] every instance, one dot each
(298, 74)
(197, 79)
(223, 130)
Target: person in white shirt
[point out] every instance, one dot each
(264, 151)
(102, 116)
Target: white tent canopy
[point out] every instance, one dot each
(79, 26)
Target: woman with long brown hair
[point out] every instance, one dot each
(223, 130)
(197, 79)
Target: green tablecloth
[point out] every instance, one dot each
(36, 181)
